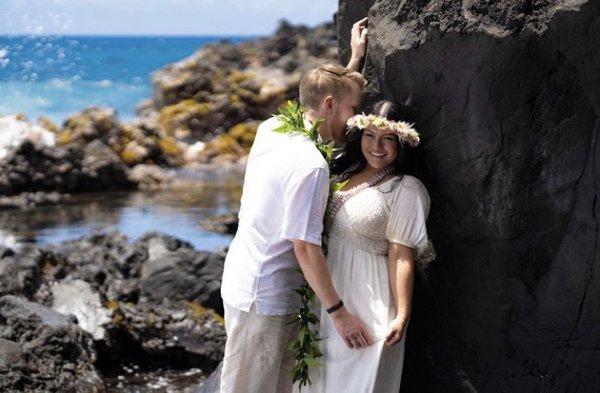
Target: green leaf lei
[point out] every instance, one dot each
(306, 346)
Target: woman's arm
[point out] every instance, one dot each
(358, 44)
(401, 268)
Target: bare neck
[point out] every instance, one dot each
(324, 129)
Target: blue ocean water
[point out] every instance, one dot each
(55, 76)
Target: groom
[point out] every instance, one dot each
(280, 224)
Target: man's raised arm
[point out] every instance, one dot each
(358, 44)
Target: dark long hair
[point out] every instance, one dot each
(352, 154)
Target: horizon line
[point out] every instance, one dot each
(153, 35)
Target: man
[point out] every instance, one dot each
(280, 224)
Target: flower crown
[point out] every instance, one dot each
(405, 131)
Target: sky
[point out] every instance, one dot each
(158, 17)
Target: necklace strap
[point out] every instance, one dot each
(341, 199)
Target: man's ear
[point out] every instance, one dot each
(329, 102)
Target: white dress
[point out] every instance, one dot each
(358, 243)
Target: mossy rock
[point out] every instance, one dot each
(244, 133)
(225, 144)
(246, 95)
(198, 312)
(169, 146)
(178, 116)
(237, 76)
(65, 137)
(48, 124)
(133, 154)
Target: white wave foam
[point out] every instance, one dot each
(13, 132)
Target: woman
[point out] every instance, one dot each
(376, 235)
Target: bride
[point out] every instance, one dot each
(376, 236)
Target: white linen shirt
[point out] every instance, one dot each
(283, 199)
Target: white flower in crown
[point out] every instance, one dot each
(404, 130)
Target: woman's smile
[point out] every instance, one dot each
(379, 147)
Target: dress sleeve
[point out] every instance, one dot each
(408, 213)
(304, 204)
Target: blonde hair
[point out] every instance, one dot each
(328, 79)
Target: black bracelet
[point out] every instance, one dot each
(339, 305)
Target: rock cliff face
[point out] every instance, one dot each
(508, 97)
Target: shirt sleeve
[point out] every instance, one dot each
(304, 204)
(408, 213)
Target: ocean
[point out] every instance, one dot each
(56, 76)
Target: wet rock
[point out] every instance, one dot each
(105, 260)
(29, 200)
(178, 333)
(89, 124)
(508, 107)
(150, 177)
(103, 170)
(21, 274)
(33, 165)
(181, 273)
(113, 289)
(225, 224)
(132, 142)
(43, 350)
(76, 297)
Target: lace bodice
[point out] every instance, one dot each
(395, 210)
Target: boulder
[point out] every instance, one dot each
(226, 224)
(103, 170)
(508, 104)
(43, 350)
(176, 271)
(179, 334)
(33, 164)
(21, 274)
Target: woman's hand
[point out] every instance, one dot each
(397, 327)
(358, 43)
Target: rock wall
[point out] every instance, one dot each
(508, 97)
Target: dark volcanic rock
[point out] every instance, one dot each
(32, 167)
(161, 295)
(508, 98)
(225, 84)
(176, 271)
(21, 274)
(29, 200)
(176, 334)
(225, 224)
(42, 350)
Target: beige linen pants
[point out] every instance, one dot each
(256, 356)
